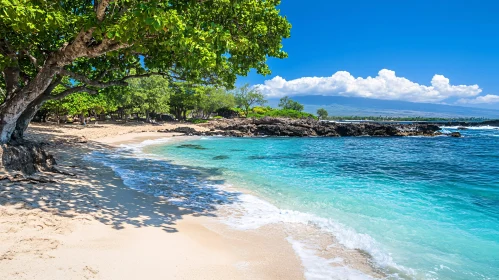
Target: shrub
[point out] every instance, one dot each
(283, 113)
(261, 110)
(196, 121)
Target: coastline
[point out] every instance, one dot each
(92, 226)
(321, 254)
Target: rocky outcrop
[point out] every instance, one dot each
(26, 157)
(309, 127)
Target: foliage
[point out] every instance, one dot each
(182, 99)
(230, 113)
(211, 99)
(289, 104)
(261, 110)
(247, 97)
(283, 113)
(103, 43)
(197, 121)
(150, 94)
(322, 113)
(219, 38)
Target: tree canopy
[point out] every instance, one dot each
(288, 104)
(247, 97)
(322, 113)
(104, 43)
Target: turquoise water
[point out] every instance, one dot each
(425, 208)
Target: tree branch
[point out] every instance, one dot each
(69, 91)
(100, 10)
(32, 58)
(99, 84)
(84, 79)
(11, 73)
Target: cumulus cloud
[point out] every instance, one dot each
(486, 99)
(384, 86)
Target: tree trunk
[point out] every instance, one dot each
(82, 119)
(23, 122)
(12, 108)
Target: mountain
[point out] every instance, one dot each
(357, 106)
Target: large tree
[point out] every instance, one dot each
(246, 97)
(288, 104)
(104, 43)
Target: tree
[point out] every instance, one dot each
(288, 104)
(150, 95)
(322, 113)
(211, 99)
(182, 99)
(105, 43)
(247, 97)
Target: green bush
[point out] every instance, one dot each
(218, 117)
(197, 121)
(282, 113)
(261, 110)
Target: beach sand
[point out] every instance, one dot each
(91, 226)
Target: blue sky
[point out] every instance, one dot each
(415, 39)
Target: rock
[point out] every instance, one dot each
(455, 134)
(311, 127)
(462, 128)
(82, 139)
(221, 157)
(184, 129)
(27, 157)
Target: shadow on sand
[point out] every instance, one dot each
(96, 190)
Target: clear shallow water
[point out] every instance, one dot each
(424, 208)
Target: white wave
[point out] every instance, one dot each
(317, 268)
(253, 213)
(485, 127)
(138, 147)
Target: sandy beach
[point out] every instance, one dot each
(92, 226)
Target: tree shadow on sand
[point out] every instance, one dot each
(168, 191)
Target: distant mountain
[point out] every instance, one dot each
(356, 106)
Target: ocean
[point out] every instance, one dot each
(416, 207)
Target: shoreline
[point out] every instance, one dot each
(93, 226)
(315, 254)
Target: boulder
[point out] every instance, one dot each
(26, 157)
(455, 134)
(185, 130)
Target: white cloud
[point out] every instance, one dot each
(384, 86)
(486, 99)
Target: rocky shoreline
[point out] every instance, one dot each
(306, 128)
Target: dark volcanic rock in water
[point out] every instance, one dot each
(184, 129)
(221, 157)
(311, 127)
(192, 146)
(462, 128)
(455, 134)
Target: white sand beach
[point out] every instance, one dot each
(92, 226)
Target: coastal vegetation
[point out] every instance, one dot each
(288, 104)
(322, 113)
(48, 51)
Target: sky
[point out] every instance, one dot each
(432, 51)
